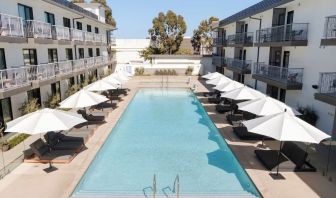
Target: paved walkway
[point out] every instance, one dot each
(29, 180)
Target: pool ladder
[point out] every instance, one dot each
(164, 81)
(176, 188)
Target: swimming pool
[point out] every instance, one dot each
(165, 132)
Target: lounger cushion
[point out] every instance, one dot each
(269, 158)
(244, 134)
(63, 155)
(223, 108)
(68, 145)
(234, 118)
(294, 153)
(39, 147)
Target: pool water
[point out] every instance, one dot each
(165, 132)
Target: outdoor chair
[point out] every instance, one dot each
(224, 108)
(56, 143)
(91, 117)
(242, 133)
(292, 77)
(63, 137)
(46, 155)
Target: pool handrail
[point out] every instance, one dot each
(177, 186)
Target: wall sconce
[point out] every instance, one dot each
(315, 86)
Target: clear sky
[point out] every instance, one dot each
(134, 17)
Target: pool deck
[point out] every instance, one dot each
(29, 180)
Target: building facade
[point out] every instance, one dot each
(286, 49)
(46, 46)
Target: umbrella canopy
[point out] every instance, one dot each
(266, 106)
(44, 120)
(82, 98)
(212, 75)
(219, 80)
(120, 77)
(112, 80)
(243, 93)
(285, 127)
(125, 73)
(231, 85)
(100, 85)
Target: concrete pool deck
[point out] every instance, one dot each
(29, 180)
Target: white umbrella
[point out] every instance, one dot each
(243, 93)
(225, 87)
(212, 75)
(120, 77)
(44, 120)
(100, 85)
(125, 73)
(218, 80)
(112, 80)
(82, 98)
(285, 127)
(266, 106)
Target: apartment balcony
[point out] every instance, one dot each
(77, 36)
(89, 37)
(239, 66)
(40, 31)
(329, 36)
(240, 40)
(20, 79)
(327, 88)
(61, 34)
(285, 78)
(219, 41)
(11, 29)
(295, 34)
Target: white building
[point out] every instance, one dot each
(47, 45)
(285, 48)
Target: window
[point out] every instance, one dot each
(49, 18)
(90, 52)
(52, 55)
(2, 59)
(97, 52)
(35, 94)
(79, 25)
(81, 52)
(68, 54)
(71, 81)
(29, 57)
(25, 12)
(55, 88)
(96, 30)
(88, 28)
(66, 22)
(290, 17)
(285, 62)
(6, 114)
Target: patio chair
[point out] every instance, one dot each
(292, 77)
(91, 117)
(56, 143)
(63, 137)
(231, 118)
(224, 108)
(46, 155)
(242, 133)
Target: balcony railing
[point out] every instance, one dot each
(219, 61)
(330, 28)
(219, 41)
(290, 32)
(38, 29)
(17, 77)
(89, 37)
(97, 38)
(327, 83)
(61, 33)
(11, 26)
(243, 66)
(245, 38)
(77, 35)
(288, 76)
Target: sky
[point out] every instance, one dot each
(134, 17)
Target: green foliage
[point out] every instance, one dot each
(167, 32)
(29, 106)
(308, 114)
(189, 70)
(17, 140)
(184, 51)
(53, 101)
(165, 72)
(139, 71)
(92, 79)
(108, 14)
(202, 36)
(72, 89)
(78, 1)
(145, 53)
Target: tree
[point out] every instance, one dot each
(167, 32)
(202, 36)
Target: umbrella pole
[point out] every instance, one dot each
(3, 163)
(87, 122)
(279, 158)
(329, 151)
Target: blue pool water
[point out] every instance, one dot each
(165, 132)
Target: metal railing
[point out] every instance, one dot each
(38, 29)
(154, 186)
(218, 60)
(289, 76)
(21, 76)
(77, 35)
(327, 82)
(289, 32)
(89, 37)
(176, 188)
(75, 7)
(97, 38)
(240, 38)
(61, 33)
(11, 26)
(245, 65)
(330, 27)
(219, 41)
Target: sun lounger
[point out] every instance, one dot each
(56, 143)
(85, 134)
(231, 118)
(224, 108)
(91, 117)
(63, 137)
(269, 158)
(243, 134)
(44, 154)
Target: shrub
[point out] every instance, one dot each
(72, 89)
(17, 140)
(308, 114)
(139, 71)
(53, 101)
(165, 72)
(29, 106)
(92, 79)
(189, 70)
